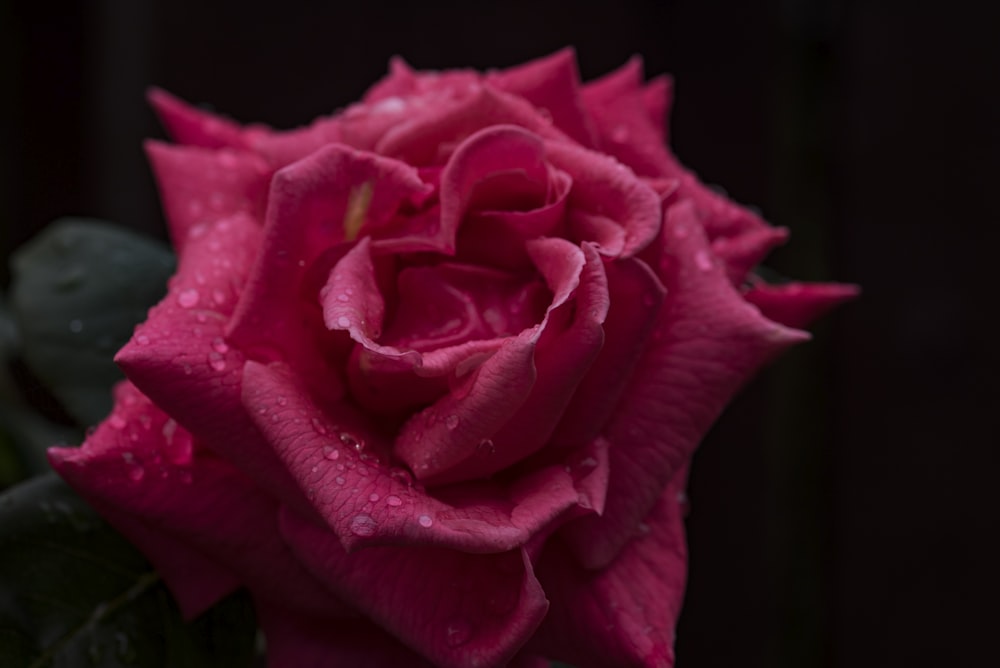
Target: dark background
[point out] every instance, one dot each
(843, 509)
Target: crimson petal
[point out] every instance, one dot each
(707, 342)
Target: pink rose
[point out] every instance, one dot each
(430, 373)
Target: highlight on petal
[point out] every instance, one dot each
(707, 342)
(455, 609)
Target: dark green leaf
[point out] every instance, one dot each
(74, 593)
(78, 290)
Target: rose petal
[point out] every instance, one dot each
(604, 187)
(562, 360)
(625, 614)
(200, 186)
(429, 138)
(341, 461)
(658, 98)
(194, 127)
(196, 504)
(445, 441)
(799, 304)
(454, 608)
(552, 84)
(741, 253)
(306, 215)
(636, 297)
(181, 359)
(708, 341)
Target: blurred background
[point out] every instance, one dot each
(843, 508)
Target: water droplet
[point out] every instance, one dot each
(363, 525)
(218, 296)
(142, 340)
(117, 422)
(339, 480)
(76, 326)
(393, 501)
(217, 361)
(373, 497)
(425, 521)
(350, 441)
(219, 345)
(588, 463)
(486, 447)
(331, 453)
(282, 401)
(188, 298)
(136, 473)
(344, 322)
(401, 475)
(703, 260)
(342, 298)
(451, 422)
(457, 632)
(320, 429)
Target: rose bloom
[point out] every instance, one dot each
(431, 370)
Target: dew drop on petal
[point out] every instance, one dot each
(216, 361)
(363, 525)
(218, 296)
(703, 260)
(339, 480)
(117, 422)
(393, 500)
(320, 429)
(136, 473)
(219, 345)
(451, 422)
(142, 340)
(343, 321)
(457, 632)
(331, 453)
(373, 497)
(425, 521)
(188, 298)
(485, 447)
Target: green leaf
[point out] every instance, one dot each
(78, 290)
(74, 593)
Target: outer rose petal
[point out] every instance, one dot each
(454, 608)
(140, 464)
(195, 127)
(200, 186)
(552, 84)
(106, 470)
(799, 304)
(707, 343)
(625, 614)
(429, 138)
(180, 357)
(341, 463)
